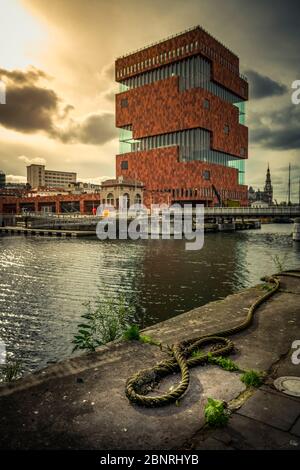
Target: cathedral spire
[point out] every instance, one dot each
(268, 189)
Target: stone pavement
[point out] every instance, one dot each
(267, 420)
(80, 403)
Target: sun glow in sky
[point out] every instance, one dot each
(21, 34)
(58, 57)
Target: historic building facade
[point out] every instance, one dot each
(265, 196)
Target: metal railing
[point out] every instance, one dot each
(288, 211)
(272, 211)
(54, 215)
(181, 33)
(157, 42)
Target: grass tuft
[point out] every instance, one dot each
(11, 371)
(149, 340)
(224, 362)
(252, 378)
(215, 412)
(197, 353)
(132, 333)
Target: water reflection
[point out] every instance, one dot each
(44, 282)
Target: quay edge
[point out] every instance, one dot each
(80, 403)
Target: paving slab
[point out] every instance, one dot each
(289, 284)
(296, 428)
(272, 389)
(244, 433)
(274, 409)
(286, 367)
(211, 444)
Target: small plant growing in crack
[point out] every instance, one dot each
(216, 413)
(149, 340)
(223, 362)
(132, 333)
(252, 378)
(197, 353)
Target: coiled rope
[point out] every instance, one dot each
(138, 386)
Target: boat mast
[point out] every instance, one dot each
(289, 191)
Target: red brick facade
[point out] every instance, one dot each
(169, 180)
(225, 64)
(160, 107)
(15, 204)
(62, 203)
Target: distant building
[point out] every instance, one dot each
(266, 195)
(251, 194)
(259, 204)
(268, 189)
(2, 179)
(83, 188)
(115, 192)
(129, 190)
(49, 192)
(13, 189)
(255, 195)
(39, 177)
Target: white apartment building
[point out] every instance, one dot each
(38, 176)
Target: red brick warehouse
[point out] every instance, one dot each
(181, 118)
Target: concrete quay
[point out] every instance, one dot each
(80, 403)
(45, 232)
(72, 230)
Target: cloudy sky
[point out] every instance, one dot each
(57, 59)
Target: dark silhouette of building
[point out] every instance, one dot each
(2, 179)
(181, 114)
(268, 189)
(266, 195)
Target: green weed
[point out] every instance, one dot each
(252, 378)
(105, 321)
(197, 353)
(224, 362)
(215, 412)
(11, 371)
(132, 333)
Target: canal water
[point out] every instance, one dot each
(44, 282)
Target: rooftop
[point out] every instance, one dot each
(122, 182)
(174, 36)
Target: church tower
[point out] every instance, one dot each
(268, 189)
